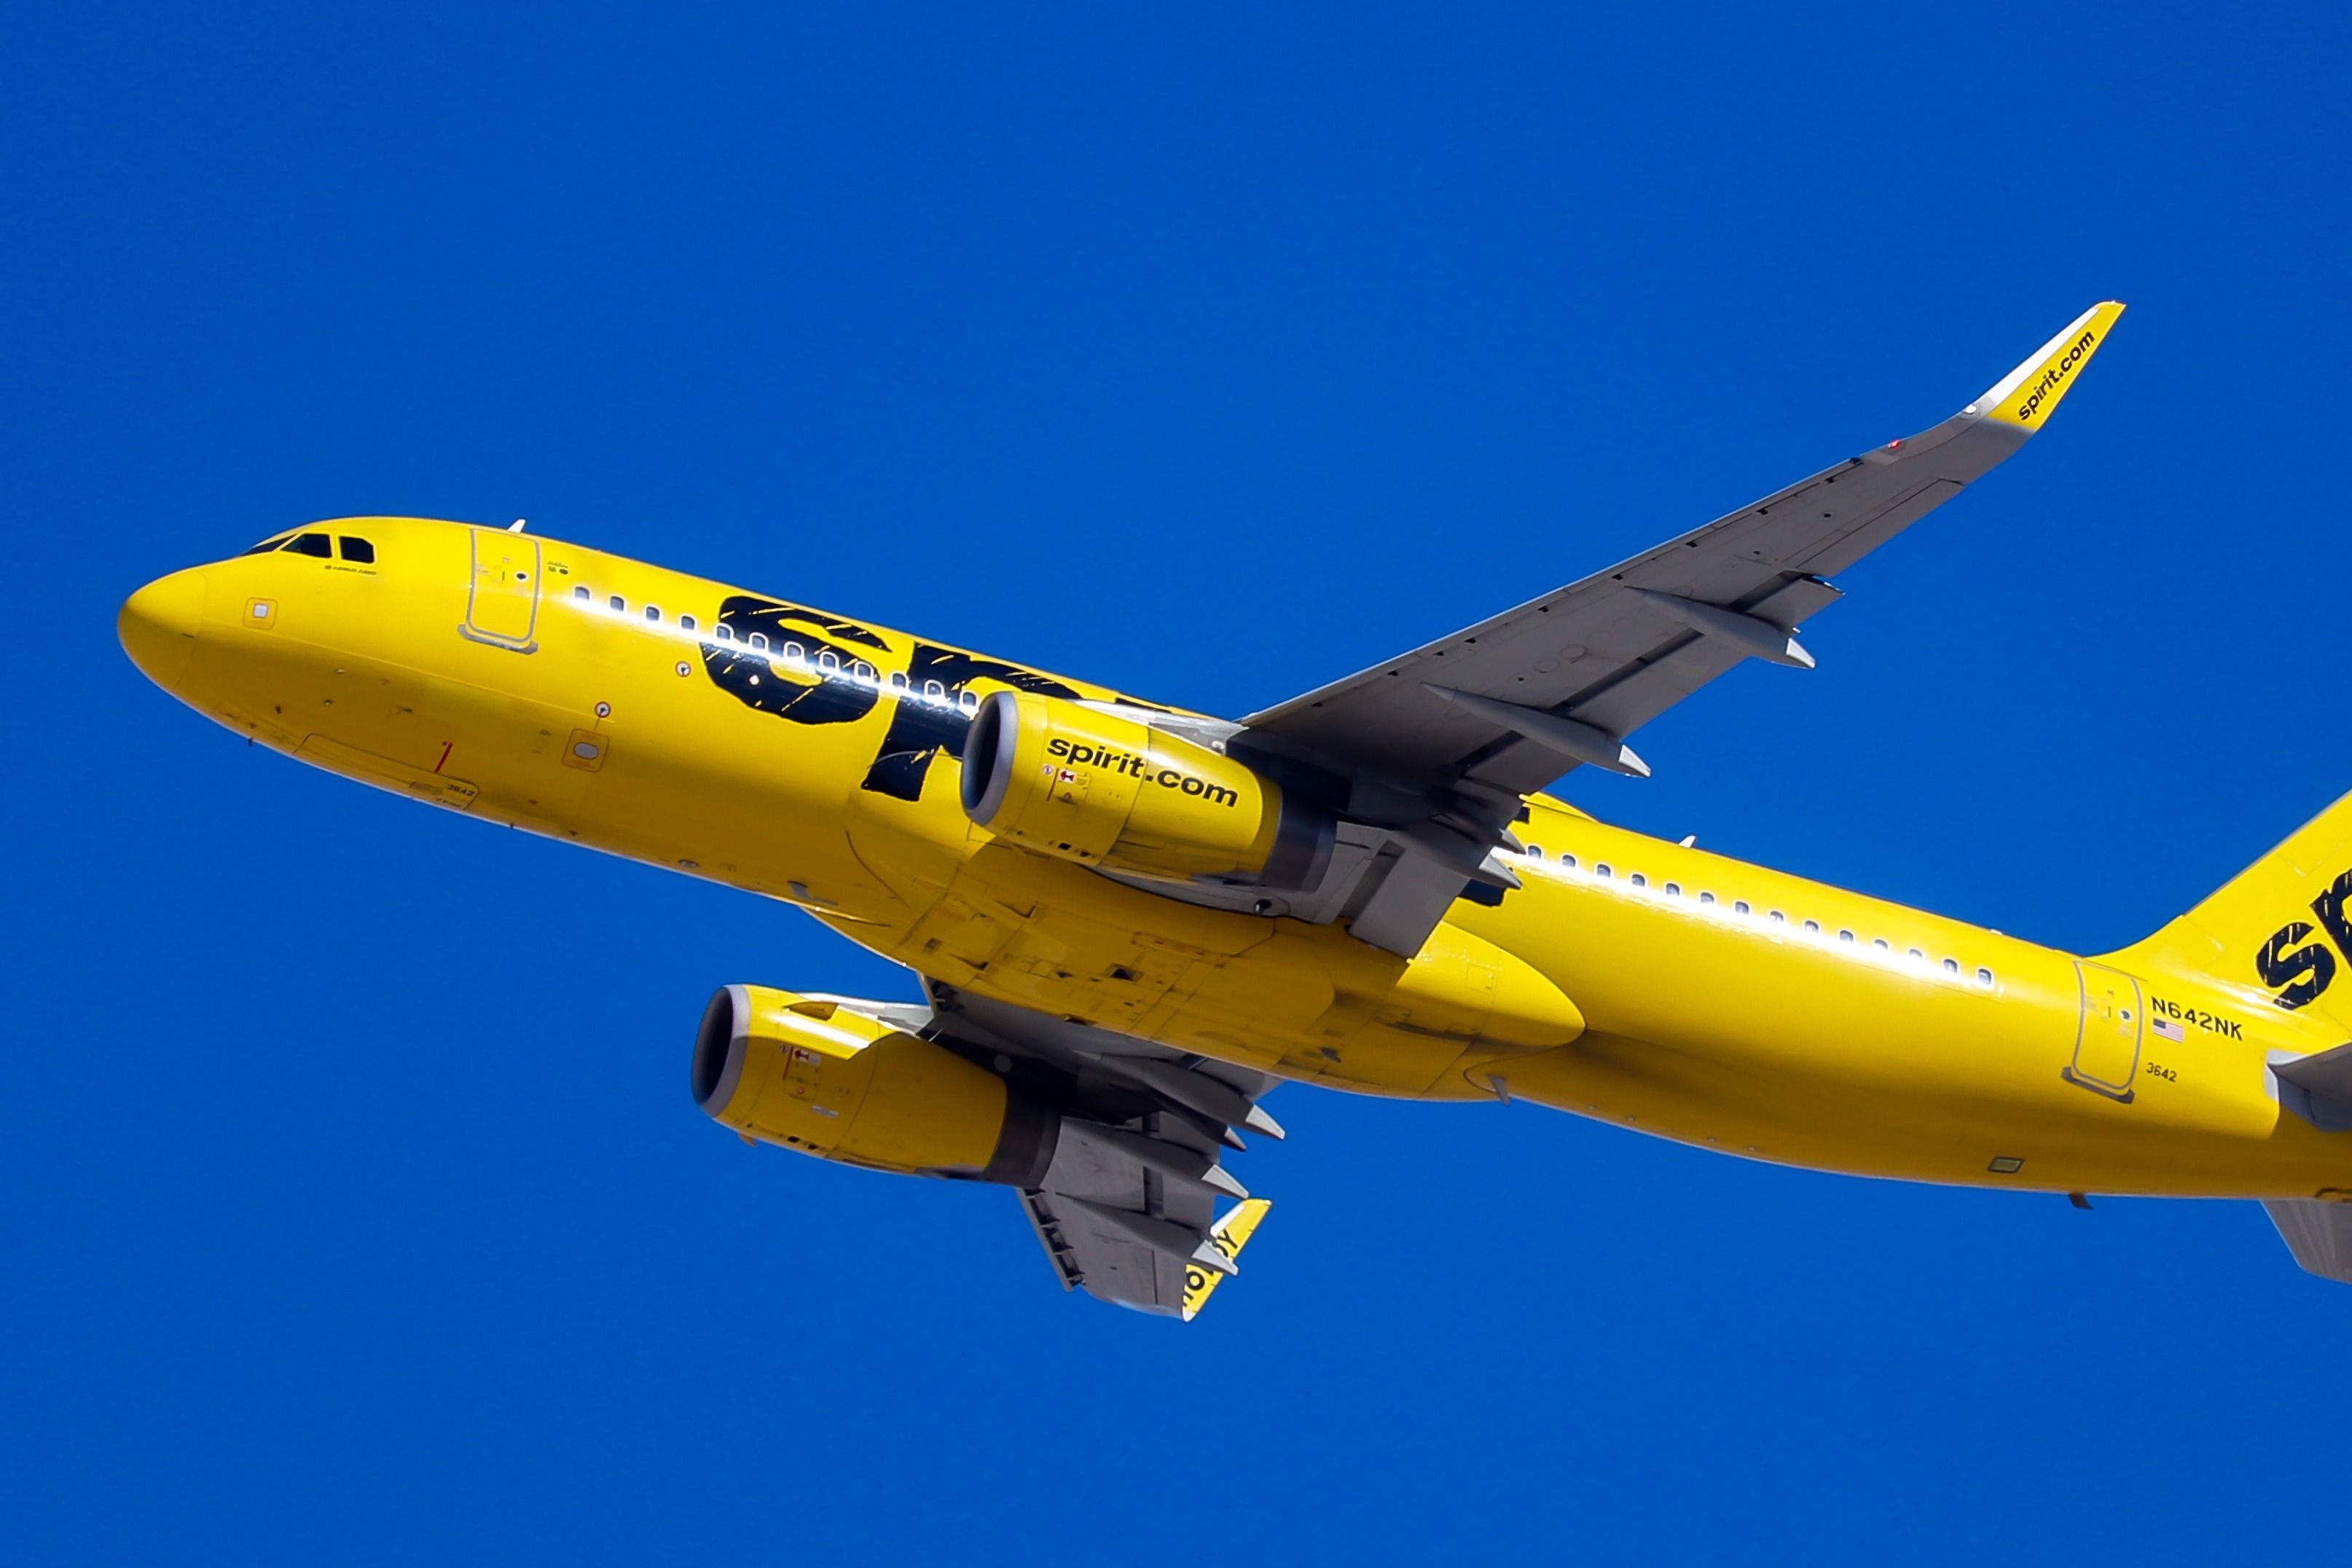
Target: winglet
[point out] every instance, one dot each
(2025, 396)
(1228, 1236)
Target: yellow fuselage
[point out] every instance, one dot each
(556, 687)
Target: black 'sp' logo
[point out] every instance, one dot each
(2299, 968)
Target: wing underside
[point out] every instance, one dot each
(1128, 1210)
(1442, 742)
(2318, 1233)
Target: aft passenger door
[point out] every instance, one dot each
(502, 604)
(2106, 1041)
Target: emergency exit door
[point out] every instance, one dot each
(502, 603)
(2106, 1041)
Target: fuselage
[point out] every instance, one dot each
(800, 756)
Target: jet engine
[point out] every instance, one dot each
(1130, 797)
(821, 1076)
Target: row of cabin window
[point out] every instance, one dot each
(827, 661)
(1740, 907)
(359, 551)
(620, 607)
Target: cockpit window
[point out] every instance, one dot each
(359, 549)
(311, 544)
(274, 541)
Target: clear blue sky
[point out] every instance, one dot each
(355, 1208)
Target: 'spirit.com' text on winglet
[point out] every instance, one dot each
(2025, 396)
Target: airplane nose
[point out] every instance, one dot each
(158, 625)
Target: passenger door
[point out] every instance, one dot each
(2107, 1041)
(502, 605)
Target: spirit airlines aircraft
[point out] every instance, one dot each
(1130, 921)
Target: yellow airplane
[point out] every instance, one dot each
(1130, 921)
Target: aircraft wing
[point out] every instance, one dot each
(1110, 1266)
(1472, 722)
(2318, 1233)
(1128, 1209)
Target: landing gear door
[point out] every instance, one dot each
(2106, 1042)
(502, 603)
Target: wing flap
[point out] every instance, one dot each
(2317, 1087)
(1126, 1206)
(1406, 903)
(2319, 1234)
(1834, 551)
(1104, 1263)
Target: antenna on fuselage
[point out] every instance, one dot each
(516, 526)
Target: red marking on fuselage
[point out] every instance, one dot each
(445, 755)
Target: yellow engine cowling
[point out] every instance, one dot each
(812, 1074)
(1120, 792)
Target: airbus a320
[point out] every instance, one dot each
(1130, 921)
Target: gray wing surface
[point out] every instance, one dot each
(2318, 1233)
(1468, 724)
(1606, 652)
(1602, 654)
(1126, 1209)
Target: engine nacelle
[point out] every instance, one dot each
(1104, 790)
(819, 1076)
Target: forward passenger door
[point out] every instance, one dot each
(502, 604)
